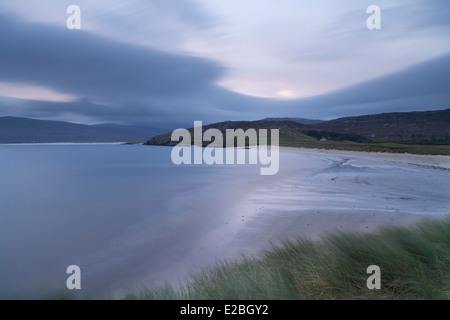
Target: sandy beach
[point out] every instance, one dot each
(317, 193)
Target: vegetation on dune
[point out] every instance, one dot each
(309, 142)
(414, 263)
(341, 142)
(336, 136)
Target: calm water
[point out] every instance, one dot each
(110, 209)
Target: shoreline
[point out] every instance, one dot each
(290, 208)
(367, 153)
(438, 161)
(317, 150)
(61, 143)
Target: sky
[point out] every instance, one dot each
(166, 63)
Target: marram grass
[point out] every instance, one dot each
(414, 263)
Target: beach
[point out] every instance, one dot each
(317, 193)
(132, 220)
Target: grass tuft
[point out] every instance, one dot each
(414, 263)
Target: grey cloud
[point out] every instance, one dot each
(423, 86)
(131, 81)
(80, 63)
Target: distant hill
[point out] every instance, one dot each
(407, 127)
(299, 120)
(425, 127)
(287, 128)
(24, 130)
(419, 128)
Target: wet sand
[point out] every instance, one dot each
(318, 193)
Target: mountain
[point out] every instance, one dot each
(424, 127)
(25, 130)
(407, 127)
(299, 120)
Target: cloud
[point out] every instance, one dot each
(83, 64)
(419, 15)
(134, 79)
(313, 47)
(423, 86)
(115, 81)
(157, 23)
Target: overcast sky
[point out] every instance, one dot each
(169, 62)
